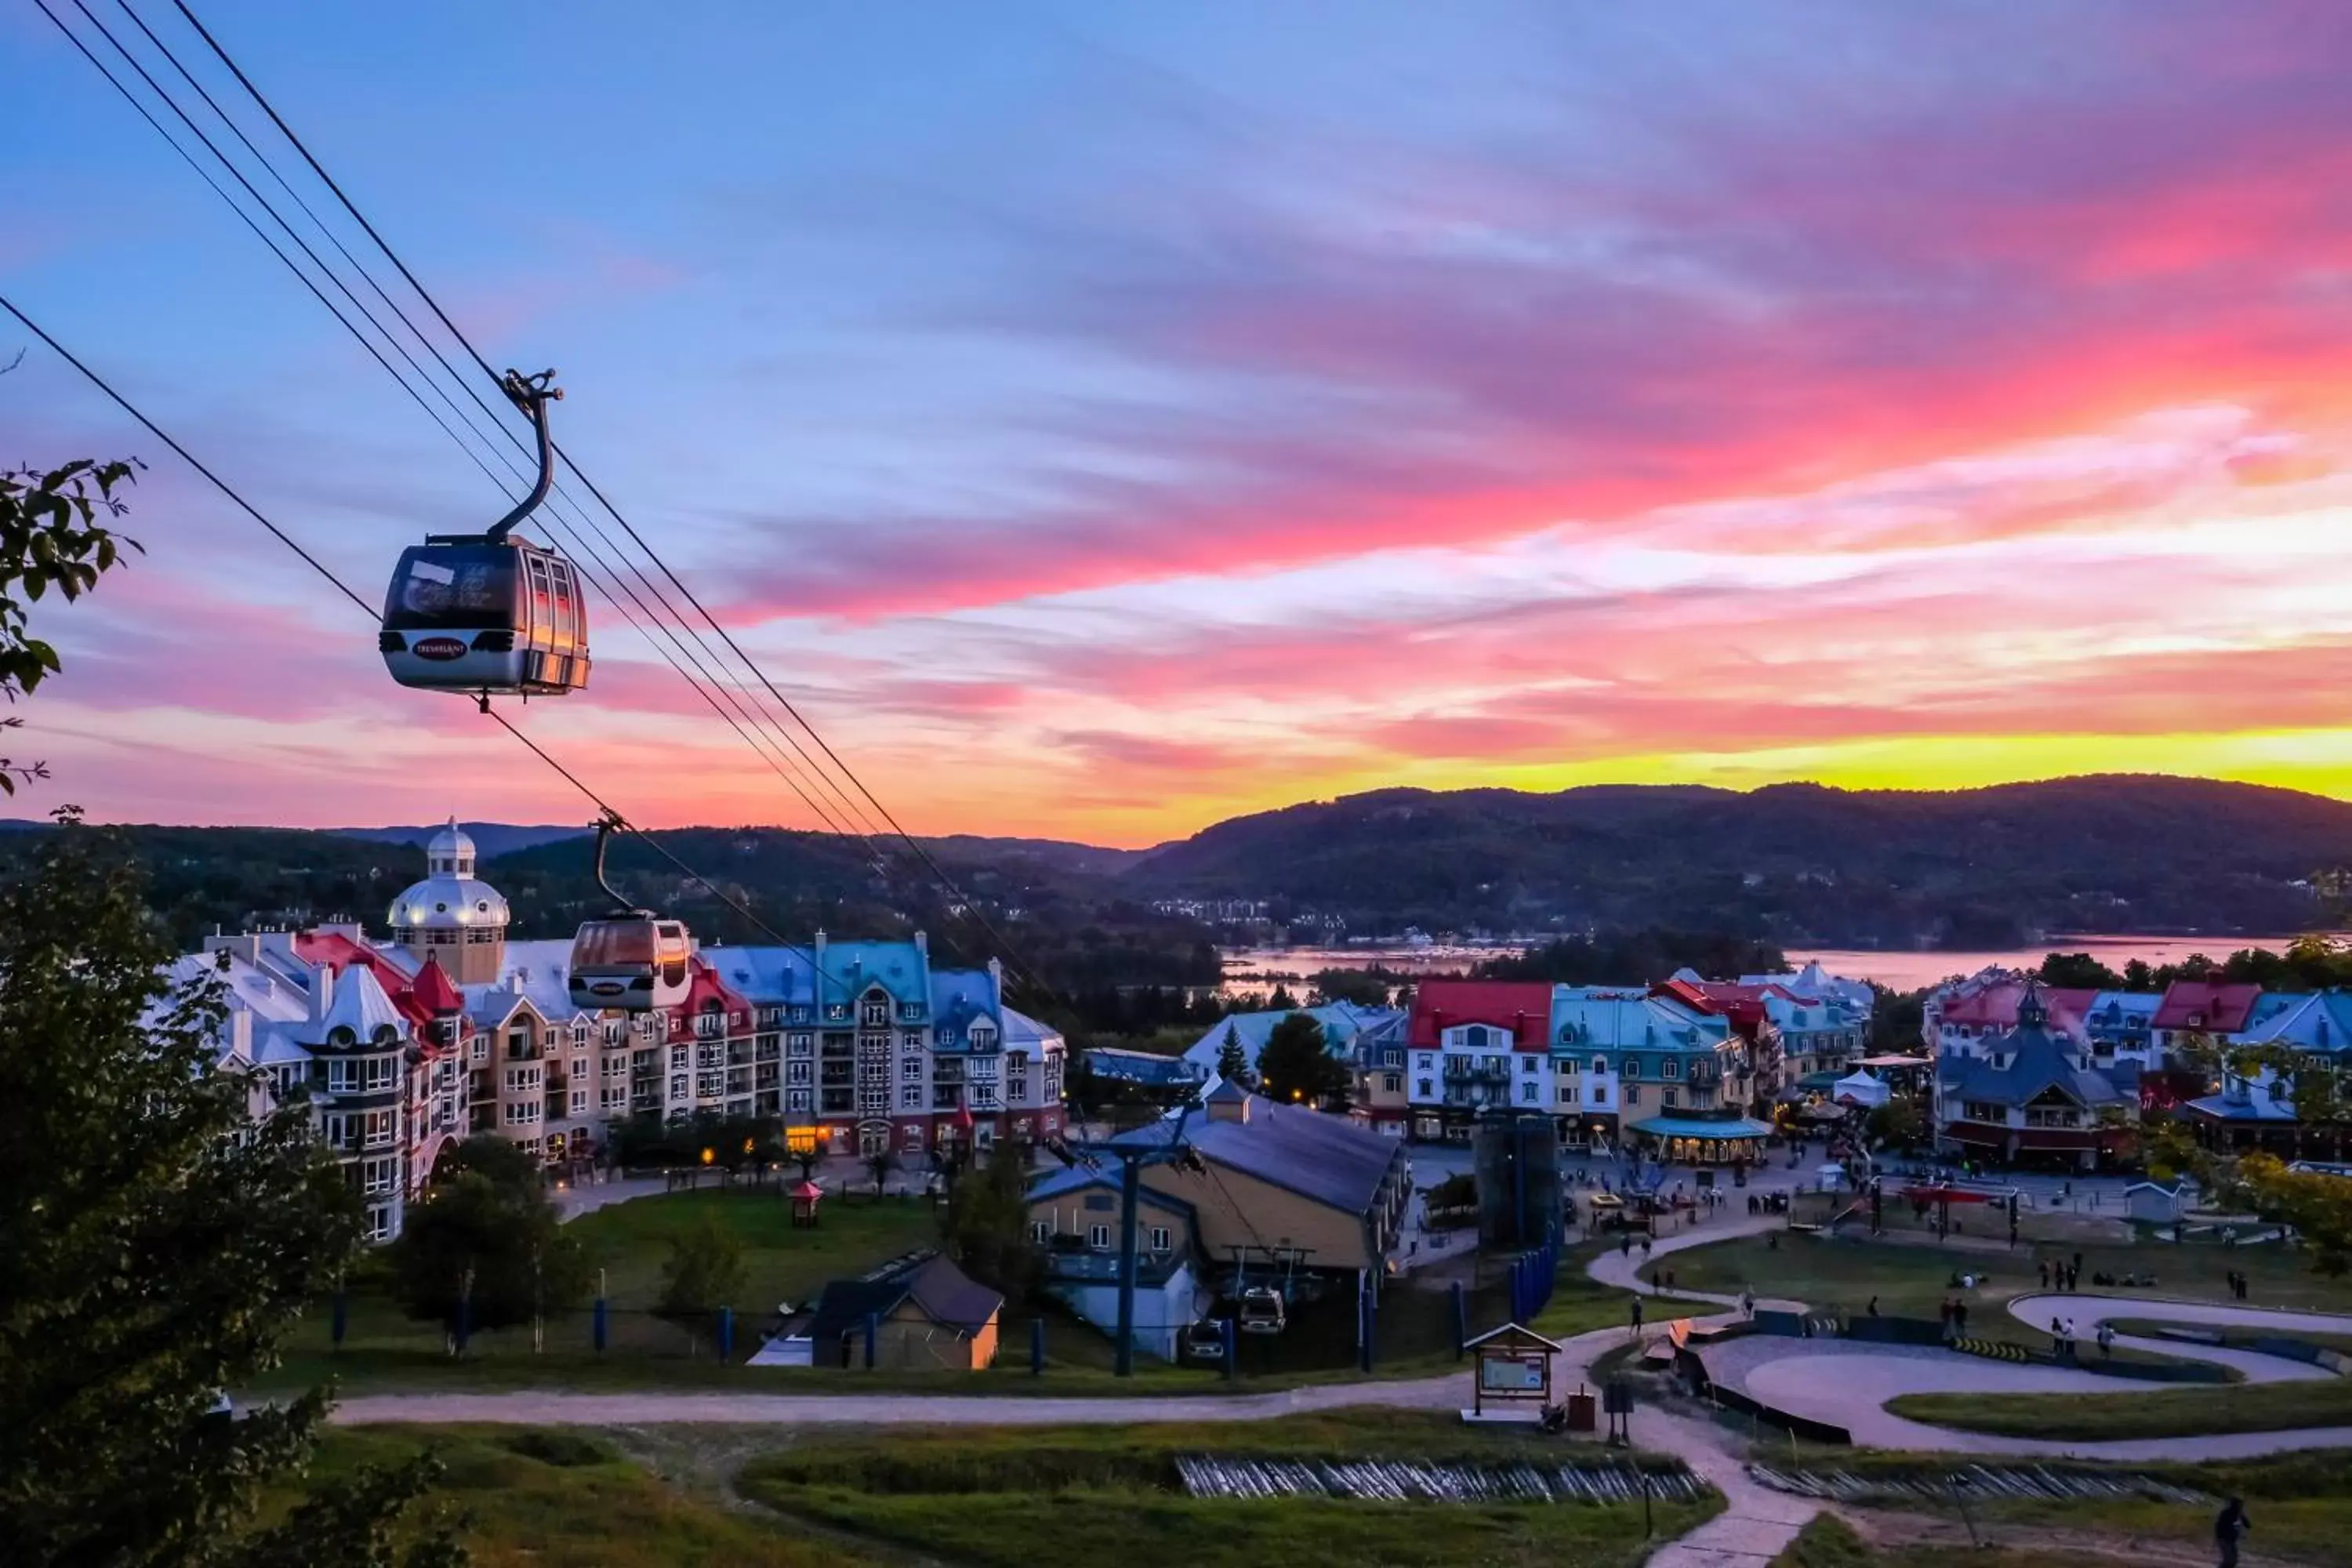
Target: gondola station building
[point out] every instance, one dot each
(446, 1028)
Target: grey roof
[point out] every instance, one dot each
(944, 1293)
(1320, 1156)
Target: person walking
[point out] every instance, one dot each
(2228, 1525)
(1636, 1311)
(2044, 1267)
(1960, 1318)
(1748, 1304)
(1873, 1309)
(2107, 1341)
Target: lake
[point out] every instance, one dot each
(1253, 971)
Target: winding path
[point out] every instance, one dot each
(1832, 1380)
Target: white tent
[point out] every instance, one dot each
(1860, 1088)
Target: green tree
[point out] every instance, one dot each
(704, 1271)
(50, 538)
(1296, 1064)
(1364, 987)
(158, 1239)
(986, 1226)
(2078, 972)
(1233, 1062)
(1899, 1123)
(2319, 1206)
(490, 1242)
(1897, 1018)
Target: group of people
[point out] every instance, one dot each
(1955, 1314)
(1767, 1203)
(2061, 1274)
(2061, 1338)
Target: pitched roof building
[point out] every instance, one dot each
(2033, 1090)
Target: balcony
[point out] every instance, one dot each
(1460, 1069)
(1070, 1259)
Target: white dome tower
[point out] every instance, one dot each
(450, 915)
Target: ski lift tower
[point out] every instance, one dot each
(1133, 1153)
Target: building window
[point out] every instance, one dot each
(1159, 1238)
(579, 1102)
(1632, 1068)
(1527, 1064)
(1040, 1232)
(1428, 1062)
(1666, 1098)
(1098, 1237)
(1528, 1092)
(677, 1086)
(378, 1222)
(677, 1059)
(1391, 1082)
(1633, 1094)
(910, 1069)
(1669, 1067)
(1425, 1090)
(521, 1113)
(911, 1097)
(480, 1048)
(796, 1099)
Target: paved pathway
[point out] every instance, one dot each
(2089, 1311)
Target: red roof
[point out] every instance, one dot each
(704, 988)
(1522, 1007)
(1995, 1006)
(333, 950)
(433, 990)
(2202, 1005)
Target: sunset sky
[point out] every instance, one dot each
(1104, 419)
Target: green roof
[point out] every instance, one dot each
(1696, 1127)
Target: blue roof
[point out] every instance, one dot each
(766, 974)
(1079, 1178)
(1343, 1023)
(1326, 1158)
(1141, 1066)
(2223, 1107)
(2038, 1061)
(1700, 1127)
(960, 998)
(851, 968)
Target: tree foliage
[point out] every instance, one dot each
(1623, 957)
(986, 1227)
(50, 538)
(2319, 1206)
(704, 1271)
(1233, 1059)
(486, 1235)
(1296, 1063)
(157, 1241)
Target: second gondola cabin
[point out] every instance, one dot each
(630, 964)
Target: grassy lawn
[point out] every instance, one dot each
(631, 1242)
(531, 1499)
(2153, 1327)
(998, 1496)
(2158, 1413)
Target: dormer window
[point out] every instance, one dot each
(873, 1011)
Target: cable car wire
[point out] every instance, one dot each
(919, 851)
(963, 904)
(230, 490)
(618, 589)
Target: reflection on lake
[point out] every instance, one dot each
(1253, 971)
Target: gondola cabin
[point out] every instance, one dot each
(1262, 1311)
(630, 964)
(503, 618)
